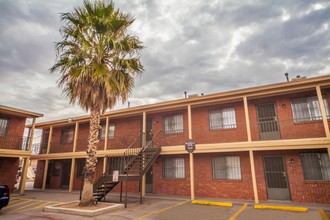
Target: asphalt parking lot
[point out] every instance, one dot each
(30, 206)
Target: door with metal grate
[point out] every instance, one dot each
(267, 122)
(276, 178)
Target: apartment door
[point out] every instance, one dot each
(276, 178)
(149, 180)
(149, 130)
(268, 122)
(66, 168)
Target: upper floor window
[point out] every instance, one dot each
(4, 123)
(226, 168)
(308, 109)
(222, 118)
(111, 131)
(173, 124)
(67, 136)
(316, 166)
(173, 168)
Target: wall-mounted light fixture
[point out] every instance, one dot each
(291, 161)
(283, 105)
(69, 120)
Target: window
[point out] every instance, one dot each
(3, 126)
(173, 124)
(174, 168)
(111, 131)
(308, 109)
(222, 118)
(67, 136)
(226, 168)
(316, 166)
(80, 168)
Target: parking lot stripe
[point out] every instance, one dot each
(203, 202)
(238, 212)
(283, 208)
(40, 200)
(23, 207)
(41, 206)
(161, 210)
(322, 213)
(15, 204)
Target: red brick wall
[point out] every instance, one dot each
(14, 137)
(179, 187)
(202, 133)
(39, 174)
(56, 146)
(169, 139)
(206, 186)
(8, 171)
(300, 190)
(288, 129)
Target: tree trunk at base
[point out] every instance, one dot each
(91, 159)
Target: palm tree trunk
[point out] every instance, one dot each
(91, 159)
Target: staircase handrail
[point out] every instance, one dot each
(105, 173)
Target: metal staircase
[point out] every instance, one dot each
(130, 167)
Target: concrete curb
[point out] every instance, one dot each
(204, 202)
(282, 208)
(56, 208)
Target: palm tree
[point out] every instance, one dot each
(97, 60)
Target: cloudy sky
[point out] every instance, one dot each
(195, 46)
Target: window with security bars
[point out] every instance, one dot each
(222, 118)
(173, 168)
(226, 168)
(4, 123)
(308, 109)
(173, 124)
(111, 131)
(67, 136)
(316, 166)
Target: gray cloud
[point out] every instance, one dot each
(195, 46)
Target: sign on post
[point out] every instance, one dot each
(115, 175)
(190, 146)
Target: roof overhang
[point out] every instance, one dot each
(18, 112)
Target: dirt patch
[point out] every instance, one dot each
(75, 205)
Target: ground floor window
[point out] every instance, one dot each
(316, 166)
(173, 168)
(226, 168)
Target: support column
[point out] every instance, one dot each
(106, 133)
(49, 139)
(72, 174)
(323, 112)
(144, 144)
(106, 138)
(31, 134)
(191, 157)
(45, 175)
(247, 119)
(254, 179)
(76, 130)
(24, 174)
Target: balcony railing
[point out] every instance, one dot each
(14, 142)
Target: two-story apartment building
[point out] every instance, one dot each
(262, 143)
(13, 144)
